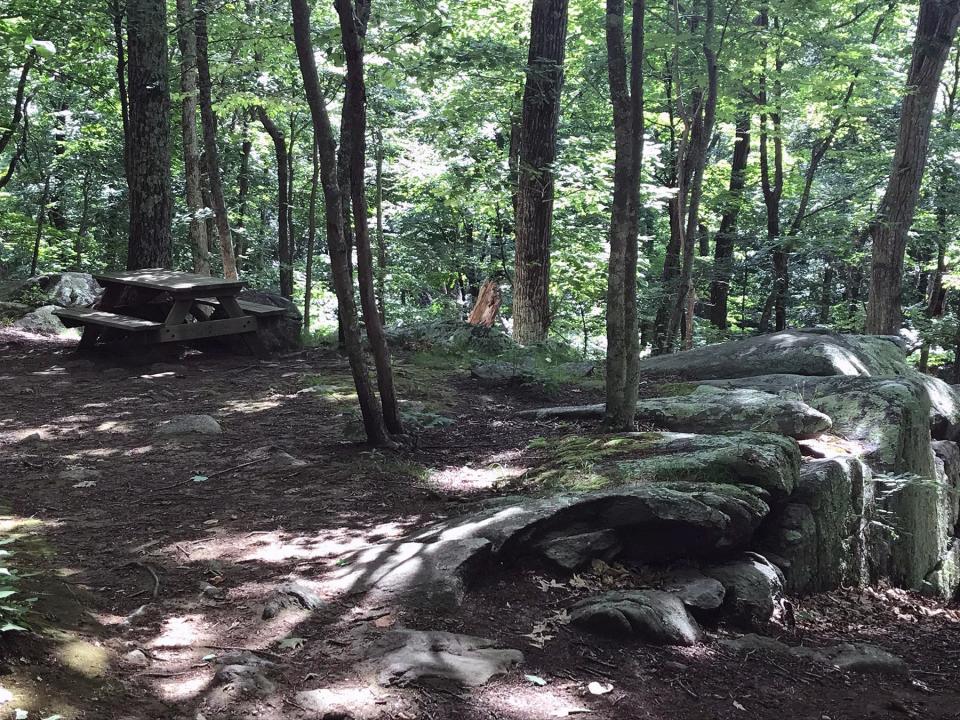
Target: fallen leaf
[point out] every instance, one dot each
(385, 621)
(85, 484)
(199, 478)
(535, 679)
(738, 706)
(596, 688)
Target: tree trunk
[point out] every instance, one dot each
(41, 217)
(381, 240)
(726, 235)
(120, 68)
(936, 29)
(149, 178)
(283, 216)
(623, 340)
(538, 150)
(701, 123)
(339, 262)
(209, 122)
(353, 31)
(311, 238)
(187, 40)
(484, 312)
(243, 190)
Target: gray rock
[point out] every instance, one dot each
(753, 589)
(572, 552)
(41, 321)
(943, 580)
(711, 410)
(246, 674)
(189, 425)
(78, 474)
(501, 373)
(582, 368)
(281, 333)
(792, 351)
(432, 575)
(656, 616)
(947, 455)
(846, 657)
(295, 594)
(136, 658)
(67, 289)
(653, 522)
(409, 656)
(695, 590)
(863, 658)
(13, 310)
(821, 532)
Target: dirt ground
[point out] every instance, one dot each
(146, 573)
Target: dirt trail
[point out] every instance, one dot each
(159, 553)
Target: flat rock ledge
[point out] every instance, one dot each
(404, 657)
(711, 410)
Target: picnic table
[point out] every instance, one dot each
(202, 307)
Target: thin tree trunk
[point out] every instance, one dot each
(116, 15)
(936, 29)
(726, 235)
(311, 237)
(41, 217)
(623, 340)
(538, 149)
(209, 122)
(283, 215)
(381, 240)
(353, 31)
(149, 178)
(187, 40)
(340, 268)
(243, 190)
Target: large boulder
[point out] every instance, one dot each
(797, 352)
(653, 615)
(279, 333)
(41, 321)
(711, 410)
(818, 539)
(656, 521)
(66, 289)
(754, 587)
(576, 462)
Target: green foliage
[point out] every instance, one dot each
(14, 605)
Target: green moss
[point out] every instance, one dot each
(678, 389)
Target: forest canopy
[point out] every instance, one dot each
(766, 136)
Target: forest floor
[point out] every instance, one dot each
(124, 539)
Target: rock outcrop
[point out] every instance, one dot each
(711, 410)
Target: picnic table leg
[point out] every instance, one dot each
(91, 333)
(252, 339)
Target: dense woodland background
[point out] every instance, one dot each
(782, 116)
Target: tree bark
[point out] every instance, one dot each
(381, 240)
(936, 29)
(149, 178)
(353, 32)
(284, 255)
(339, 262)
(311, 237)
(623, 340)
(726, 235)
(209, 122)
(538, 149)
(187, 40)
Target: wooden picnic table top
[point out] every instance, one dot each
(171, 281)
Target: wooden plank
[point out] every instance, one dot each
(205, 329)
(87, 316)
(169, 280)
(250, 308)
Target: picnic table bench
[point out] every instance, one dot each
(129, 295)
